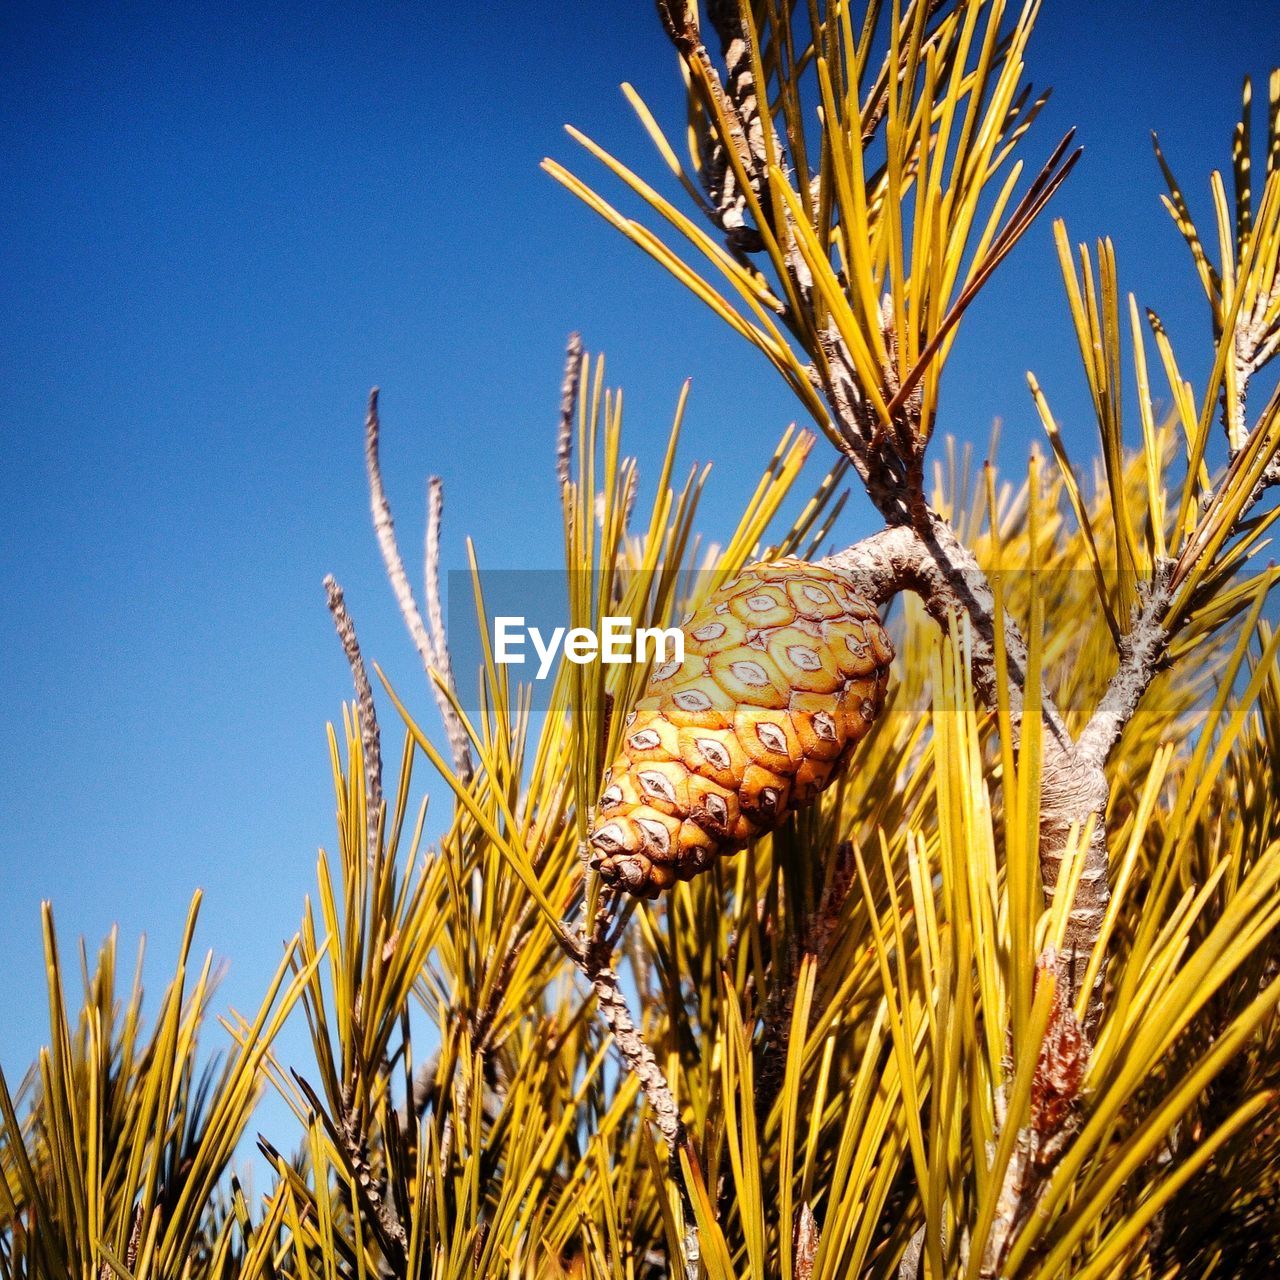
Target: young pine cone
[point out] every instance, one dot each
(784, 672)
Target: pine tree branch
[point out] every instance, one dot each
(1142, 651)
(721, 179)
(943, 572)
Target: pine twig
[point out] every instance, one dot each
(370, 735)
(384, 528)
(455, 730)
(432, 650)
(569, 389)
(593, 955)
(346, 1132)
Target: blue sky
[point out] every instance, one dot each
(222, 224)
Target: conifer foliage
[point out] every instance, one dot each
(996, 999)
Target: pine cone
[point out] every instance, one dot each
(784, 672)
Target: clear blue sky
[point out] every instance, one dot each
(222, 224)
